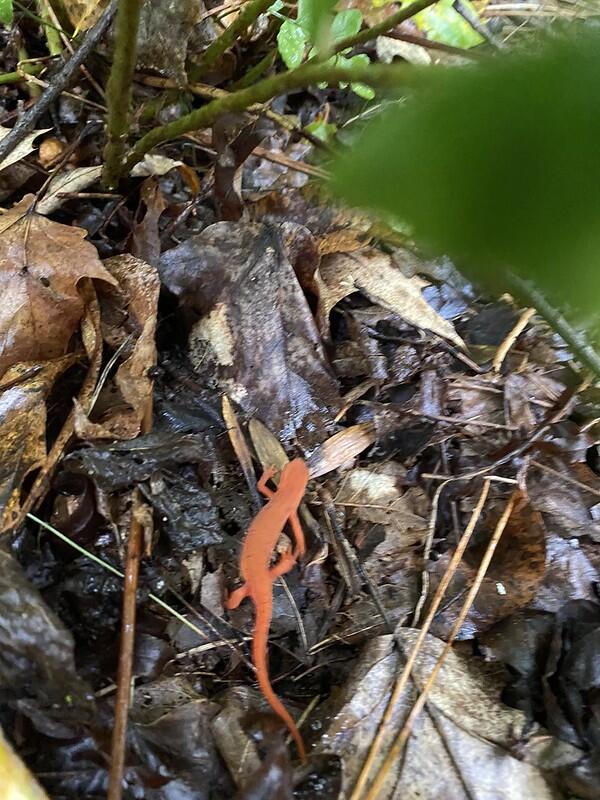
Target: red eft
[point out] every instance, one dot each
(259, 575)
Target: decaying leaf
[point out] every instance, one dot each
(256, 329)
(164, 31)
(41, 263)
(473, 740)
(516, 571)
(129, 313)
(376, 275)
(22, 149)
(23, 392)
(36, 653)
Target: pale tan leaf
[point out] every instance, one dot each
(22, 149)
(342, 448)
(75, 181)
(376, 275)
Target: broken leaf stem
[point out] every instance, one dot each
(118, 90)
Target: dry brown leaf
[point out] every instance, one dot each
(341, 448)
(41, 263)
(23, 391)
(376, 275)
(514, 575)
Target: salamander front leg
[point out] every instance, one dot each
(262, 483)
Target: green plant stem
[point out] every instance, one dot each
(15, 77)
(118, 90)
(380, 76)
(377, 30)
(215, 50)
(51, 32)
(255, 72)
(575, 339)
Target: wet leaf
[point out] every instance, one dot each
(256, 331)
(23, 392)
(36, 652)
(41, 263)
(376, 275)
(474, 740)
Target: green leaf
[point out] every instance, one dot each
(496, 165)
(6, 12)
(315, 18)
(346, 23)
(362, 90)
(277, 6)
(325, 131)
(443, 24)
(291, 42)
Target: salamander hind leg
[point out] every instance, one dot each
(286, 562)
(235, 598)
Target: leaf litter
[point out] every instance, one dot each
(330, 340)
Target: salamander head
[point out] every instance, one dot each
(295, 474)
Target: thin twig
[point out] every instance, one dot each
(511, 338)
(402, 737)
(60, 82)
(117, 573)
(402, 679)
(118, 91)
(125, 669)
(242, 22)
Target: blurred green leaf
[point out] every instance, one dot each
(315, 18)
(291, 42)
(6, 12)
(325, 131)
(443, 24)
(497, 165)
(346, 23)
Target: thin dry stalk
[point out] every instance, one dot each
(402, 738)
(402, 680)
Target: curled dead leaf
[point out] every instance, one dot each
(377, 276)
(41, 263)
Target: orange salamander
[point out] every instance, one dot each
(259, 575)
